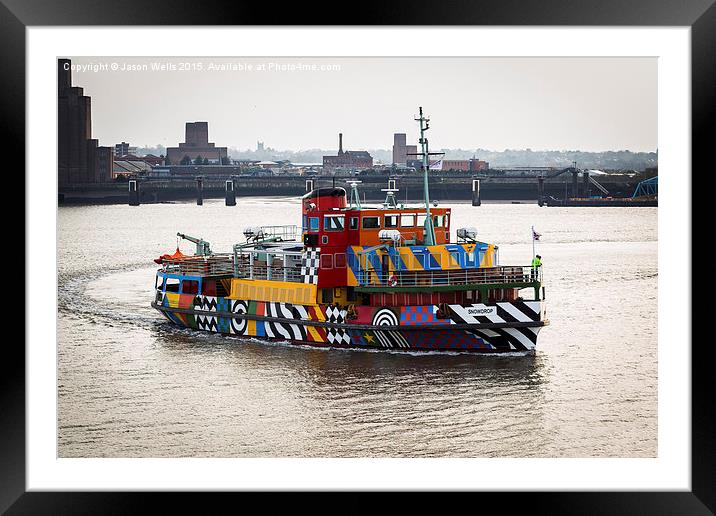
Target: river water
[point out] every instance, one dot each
(132, 385)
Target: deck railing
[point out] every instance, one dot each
(508, 274)
(213, 265)
(259, 271)
(284, 233)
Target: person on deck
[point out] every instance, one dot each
(536, 264)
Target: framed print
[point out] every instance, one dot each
(267, 249)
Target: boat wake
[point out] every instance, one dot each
(79, 295)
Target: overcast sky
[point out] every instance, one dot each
(589, 104)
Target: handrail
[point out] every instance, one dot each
(223, 265)
(523, 274)
(287, 232)
(273, 272)
(212, 265)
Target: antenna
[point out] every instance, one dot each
(429, 228)
(389, 201)
(355, 197)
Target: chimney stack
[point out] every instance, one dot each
(64, 76)
(340, 143)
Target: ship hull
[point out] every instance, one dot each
(493, 328)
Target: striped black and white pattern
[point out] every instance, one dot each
(207, 322)
(502, 338)
(278, 330)
(385, 317)
(388, 339)
(391, 339)
(206, 303)
(309, 265)
(238, 326)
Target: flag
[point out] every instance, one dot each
(436, 165)
(535, 235)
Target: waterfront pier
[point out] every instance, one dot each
(444, 188)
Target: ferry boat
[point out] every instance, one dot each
(384, 277)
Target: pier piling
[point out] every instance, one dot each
(585, 184)
(540, 191)
(133, 192)
(230, 192)
(199, 191)
(575, 183)
(476, 200)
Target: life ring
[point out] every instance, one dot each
(392, 280)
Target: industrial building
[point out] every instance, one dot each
(123, 149)
(80, 159)
(196, 145)
(347, 159)
(130, 167)
(402, 153)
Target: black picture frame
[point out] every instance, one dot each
(700, 15)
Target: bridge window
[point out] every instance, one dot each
(354, 223)
(313, 223)
(190, 287)
(391, 221)
(421, 220)
(171, 285)
(334, 222)
(440, 221)
(371, 222)
(407, 221)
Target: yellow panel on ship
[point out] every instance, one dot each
(273, 291)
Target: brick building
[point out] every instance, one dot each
(196, 145)
(347, 159)
(80, 159)
(124, 149)
(402, 153)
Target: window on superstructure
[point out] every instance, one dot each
(171, 285)
(313, 224)
(407, 221)
(371, 222)
(354, 223)
(190, 287)
(221, 289)
(391, 221)
(421, 220)
(334, 222)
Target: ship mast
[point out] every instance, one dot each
(429, 238)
